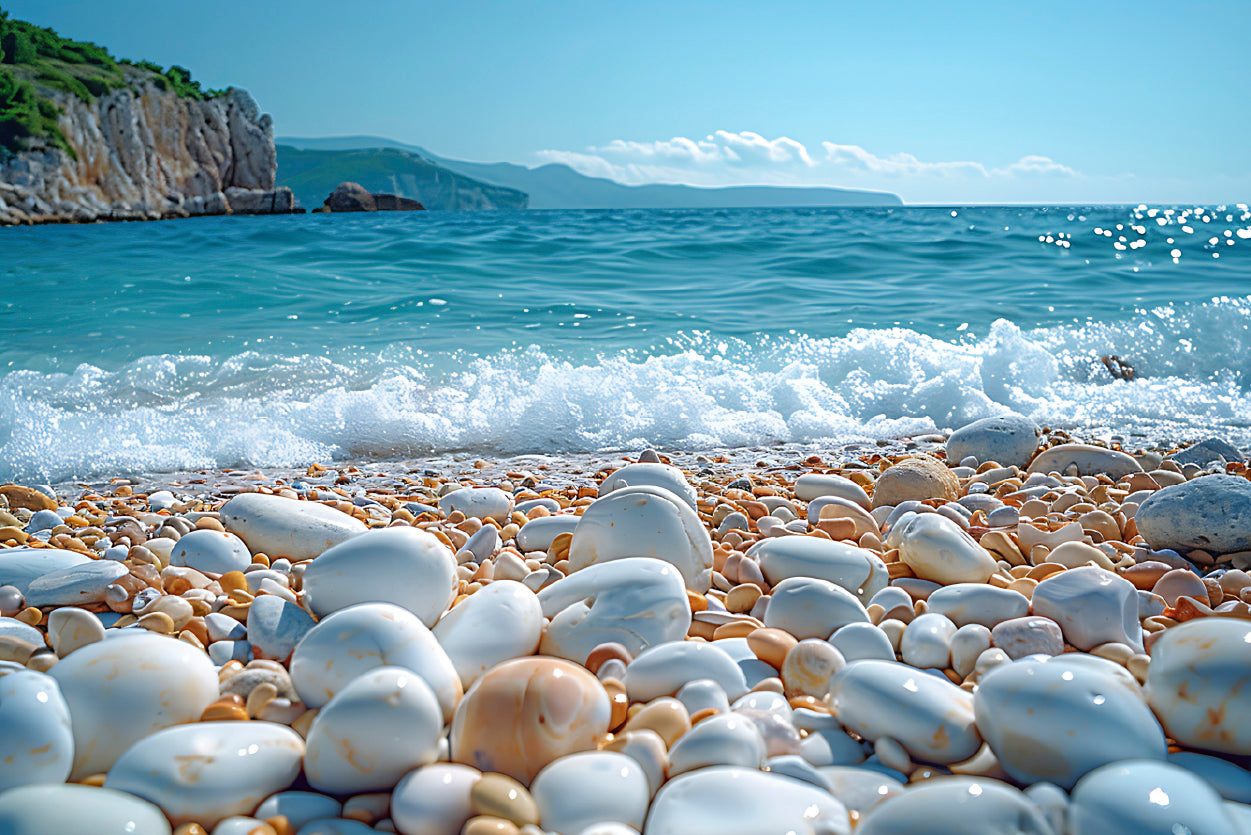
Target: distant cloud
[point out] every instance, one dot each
(728, 158)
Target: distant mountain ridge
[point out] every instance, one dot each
(556, 186)
(313, 174)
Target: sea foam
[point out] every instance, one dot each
(175, 412)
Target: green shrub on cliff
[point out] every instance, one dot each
(36, 62)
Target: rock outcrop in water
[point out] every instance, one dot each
(353, 197)
(143, 153)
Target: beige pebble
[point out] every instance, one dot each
(483, 825)
(209, 523)
(500, 796)
(29, 616)
(771, 645)
(742, 597)
(158, 622)
(666, 716)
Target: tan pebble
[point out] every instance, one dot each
(95, 780)
(999, 581)
(304, 722)
(124, 621)
(280, 824)
(230, 668)
(189, 637)
(1024, 586)
(896, 570)
(742, 597)
(158, 622)
(191, 829)
(700, 715)
(1044, 570)
(232, 580)
(772, 684)
(237, 611)
(665, 715)
(29, 616)
(41, 662)
(620, 702)
(876, 612)
(179, 610)
(1138, 665)
(1178, 583)
(839, 529)
(701, 630)
(500, 796)
(1234, 581)
(771, 645)
(483, 825)
(226, 709)
(12, 533)
(209, 523)
(1216, 594)
(261, 695)
(735, 629)
(605, 651)
(1159, 622)
(1117, 653)
(1145, 575)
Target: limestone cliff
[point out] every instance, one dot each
(144, 153)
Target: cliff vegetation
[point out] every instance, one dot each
(36, 63)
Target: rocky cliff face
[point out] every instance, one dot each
(145, 153)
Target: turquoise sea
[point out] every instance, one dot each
(277, 341)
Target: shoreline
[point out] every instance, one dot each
(864, 630)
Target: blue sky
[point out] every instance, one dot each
(938, 102)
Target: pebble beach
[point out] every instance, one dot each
(1003, 629)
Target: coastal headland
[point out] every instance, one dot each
(1005, 625)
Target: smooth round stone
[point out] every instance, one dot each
(915, 479)
(56, 808)
(77, 585)
(728, 800)
(637, 602)
(648, 749)
(207, 771)
(857, 641)
(662, 670)
(831, 747)
(1131, 797)
(434, 799)
(1199, 684)
(937, 549)
(1212, 513)
(211, 552)
(811, 486)
(1179, 582)
(501, 621)
(808, 667)
(650, 475)
(282, 527)
(970, 641)
(38, 738)
(500, 796)
(1032, 635)
(299, 807)
(1057, 720)
(70, 628)
(1009, 440)
(807, 607)
(576, 791)
(1089, 460)
(642, 521)
(19, 566)
(275, 626)
(857, 570)
(956, 806)
(122, 689)
(703, 694)
(719, 740)
(926, 642)
(404, 566)
(478, 503)
(859, 788)
(1232, 781)
(538, 534)
(753, 669)
(967, 603)
(927, 714)
(523, 714)
(375, 730)
(14, 628)
(355, 640)
(1092, 607)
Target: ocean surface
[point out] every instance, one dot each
(250, 341)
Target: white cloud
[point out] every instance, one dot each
(745, 158)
